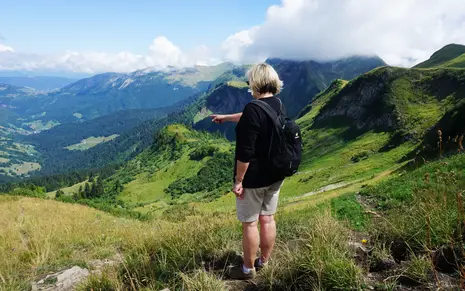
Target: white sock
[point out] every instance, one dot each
(246, 270)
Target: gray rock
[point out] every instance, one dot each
(69, 279)
(66, 280)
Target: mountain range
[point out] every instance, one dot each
(39, 83)
(188, 96)
(107, 105)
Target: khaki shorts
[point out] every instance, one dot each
(258, 201)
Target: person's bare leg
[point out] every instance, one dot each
(267, 236)
(250, 241)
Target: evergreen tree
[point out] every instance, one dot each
(118, 187)
(78, 195)
(80, 190)
(87, 190)
(59, 193)
(100, 189)
(91, 178)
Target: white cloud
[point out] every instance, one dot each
(402, 32)
(234, 46)
(5, 48)
(161, 54)
(164, 53)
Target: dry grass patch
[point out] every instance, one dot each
(37, 236)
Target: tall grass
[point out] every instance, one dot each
(422, 207)
(202, 281)
(38, 236)
(318, 259)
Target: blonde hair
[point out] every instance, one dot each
(264, 79)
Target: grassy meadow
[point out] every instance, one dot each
(90, 142)
(314, 250)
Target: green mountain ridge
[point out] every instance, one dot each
(392, 99)
(110, 92)
(304, 79)
(451, 56)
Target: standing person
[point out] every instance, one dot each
(255, 185)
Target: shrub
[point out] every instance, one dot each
(216, 172)
(202, 152)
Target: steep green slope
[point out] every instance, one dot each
(394, 99)
(304, 79)
(182, 165)
(226, 98)
(443, 57)
(458, 62)
(378, 118)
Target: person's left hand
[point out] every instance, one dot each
(238, 190)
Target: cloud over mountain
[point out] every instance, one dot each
(402, 32)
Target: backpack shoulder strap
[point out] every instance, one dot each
(272, 114)
(267, 108)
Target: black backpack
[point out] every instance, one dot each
(285, 150)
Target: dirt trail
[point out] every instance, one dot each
(334, 190)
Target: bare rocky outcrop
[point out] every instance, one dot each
(364, 102)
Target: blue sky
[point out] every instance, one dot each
(53, 26)
(92, 36)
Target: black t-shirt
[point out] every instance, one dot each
(253, 137)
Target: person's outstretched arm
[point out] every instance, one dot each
(246, 136)
(220, 118)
